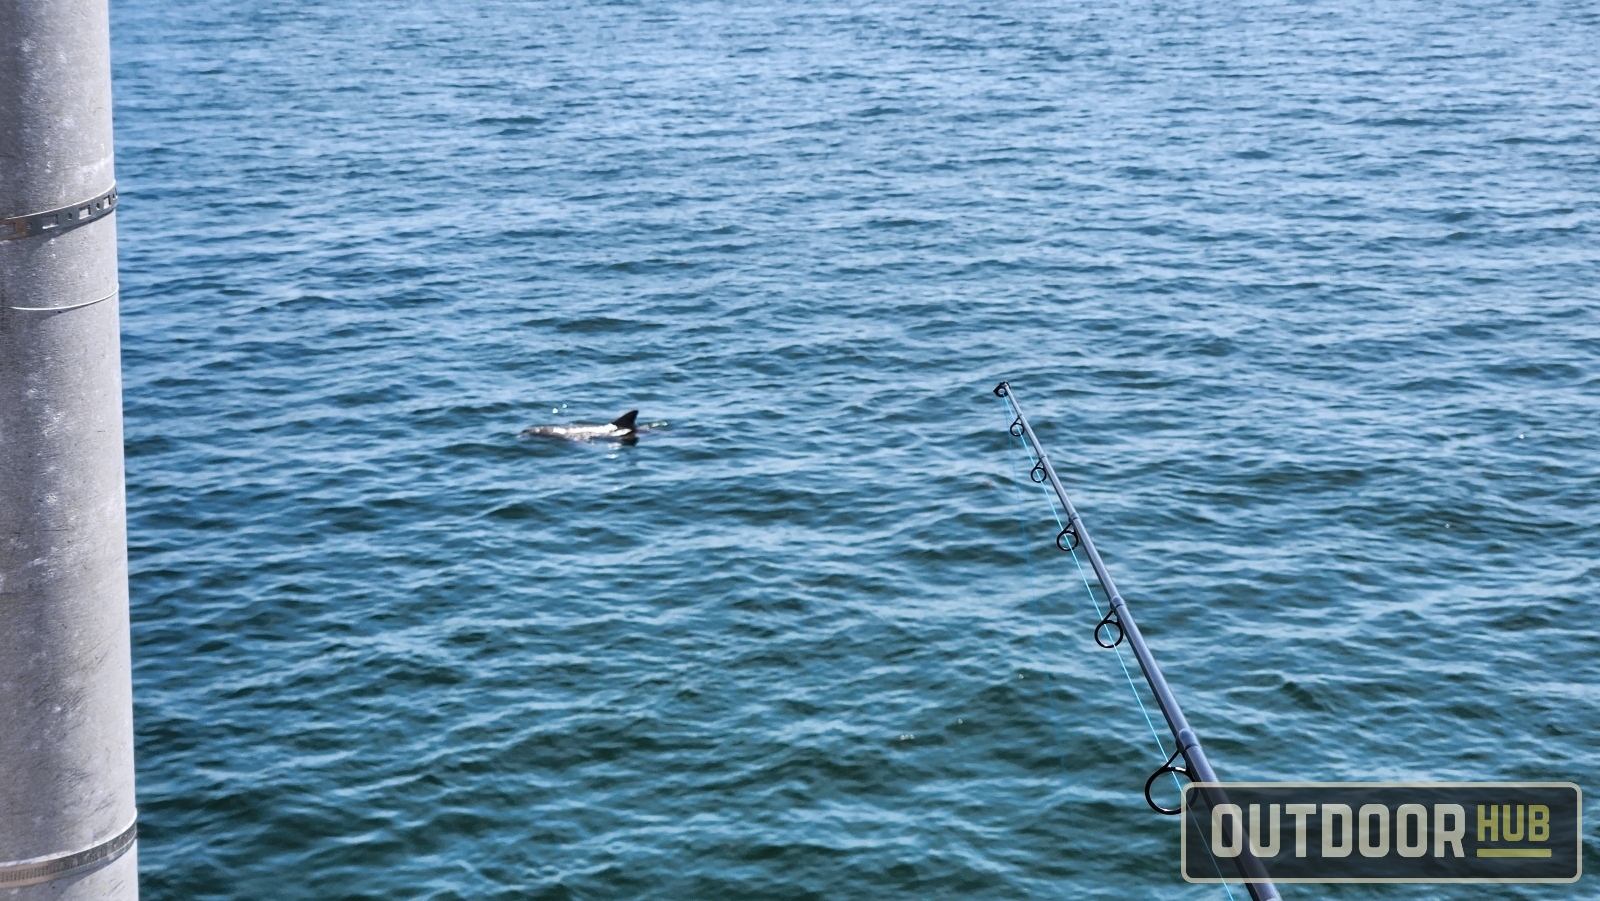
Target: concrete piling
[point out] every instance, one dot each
(66, 709)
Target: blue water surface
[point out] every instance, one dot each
(1302, 297)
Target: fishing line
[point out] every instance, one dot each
(1038, 610)
(1013, 445)
(1132, 685)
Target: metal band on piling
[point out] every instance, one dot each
(1197, 768)
(59, 220)
(47, 869)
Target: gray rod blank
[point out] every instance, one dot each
(1198, 766)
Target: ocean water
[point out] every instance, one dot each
(1301, 297)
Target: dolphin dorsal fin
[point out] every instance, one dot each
(625, 421)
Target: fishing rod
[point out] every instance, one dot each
(1196, 768)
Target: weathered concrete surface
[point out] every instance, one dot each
(66, 711)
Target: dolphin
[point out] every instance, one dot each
(620, 429)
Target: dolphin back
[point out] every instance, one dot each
(625, 421)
